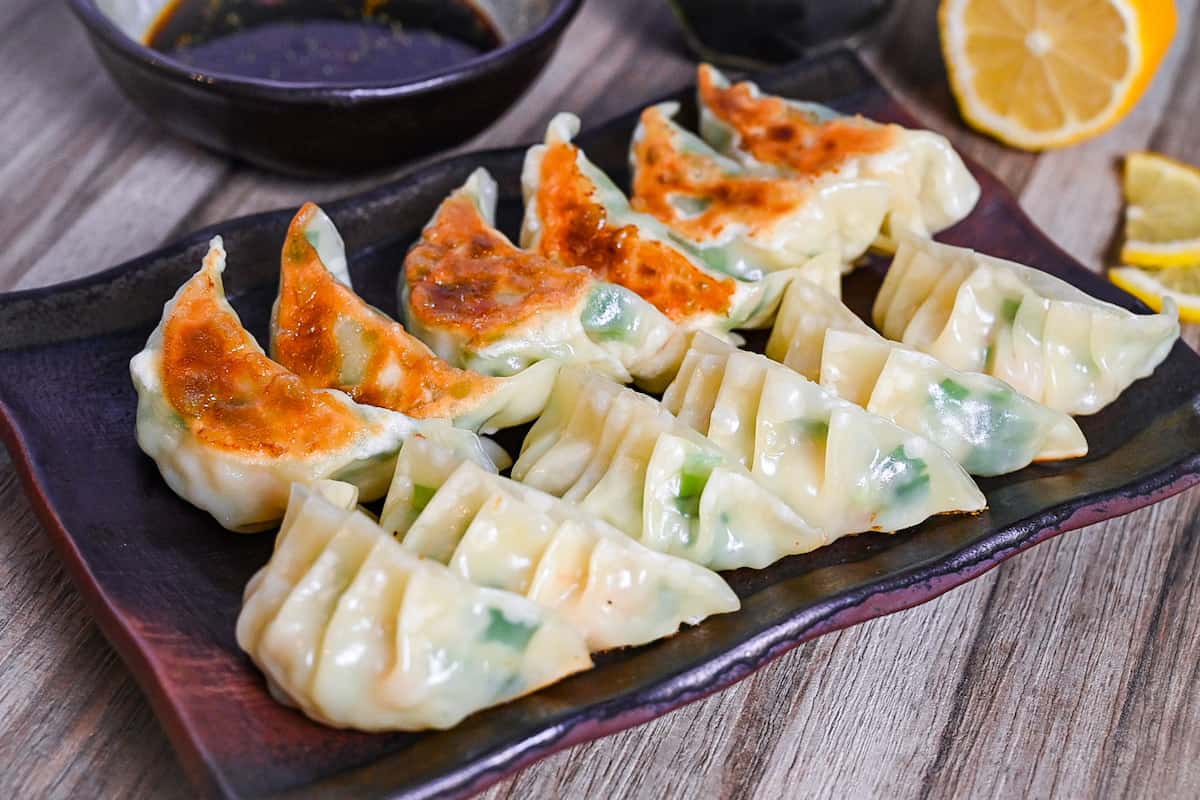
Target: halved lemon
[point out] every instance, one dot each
(1162, 212)
(1157, 288)
(1038, 74)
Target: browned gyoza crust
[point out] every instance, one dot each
(399, 372)
(464, 276)
(662, 170)
(576, 230)
(776, 133)
(231, 395)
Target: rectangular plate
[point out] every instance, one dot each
(165, 582)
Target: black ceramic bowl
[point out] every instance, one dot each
(326, 128)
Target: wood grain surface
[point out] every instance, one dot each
(1071, 671)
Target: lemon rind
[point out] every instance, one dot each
(1142, 285)
(1124, 93)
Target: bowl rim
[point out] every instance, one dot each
(100, 25)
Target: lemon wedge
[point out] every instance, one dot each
(1038, 74)
(1162, 212)
(1162, 287)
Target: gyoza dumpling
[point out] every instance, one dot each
(841, 467)
(1049, 340)
(744, 219)
(806, 313)
(339, 493)
(824, 272)
(231, 430)
(483, 304)
(421, 468)
(985, 424)
(360, 633)
(930, 187)
(331, 338)
(620, 456)
(576, 215)
(496, 532)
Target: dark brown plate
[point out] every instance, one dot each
(165, 582)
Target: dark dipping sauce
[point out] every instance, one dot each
(317, 41)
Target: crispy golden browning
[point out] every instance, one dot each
(663, 170)
(776, 133)
(577, 231)
(230, 394)
(464, 275)
(331, 338)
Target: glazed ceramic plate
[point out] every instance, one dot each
(165, 581)
(327, 127)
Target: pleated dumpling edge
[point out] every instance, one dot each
(931, 187)
(482, 303)
(576, 214)
(1047, 338)
(744, 218)
(360, 633)
(328, 335)
(230, 430)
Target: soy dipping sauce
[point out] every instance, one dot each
(307, 41)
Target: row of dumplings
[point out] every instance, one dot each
(471, 588)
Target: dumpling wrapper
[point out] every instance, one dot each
(496, 532)
(1048, 339)
(483, 304)
(985, 424)
(231, 430)
(620, 456)
(930, 187)
(746, 220)
(360, 633)
(332, 339)
(421, 468)
(575, 214)
(840, 466)
(806, 313)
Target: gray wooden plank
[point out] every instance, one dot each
(1056, 701)
(88, 182)
(75, 723)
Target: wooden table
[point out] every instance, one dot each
(1073, 670)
